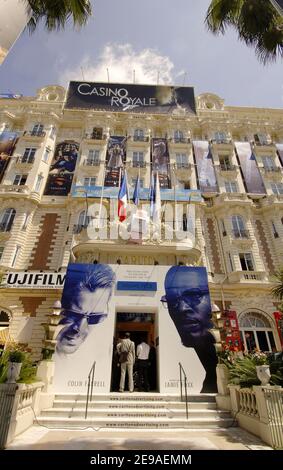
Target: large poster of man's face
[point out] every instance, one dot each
(115, 159)
(188, 302)
(62, 169)
(8, 142)
(160, 161)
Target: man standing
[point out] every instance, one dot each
(143, 350)
(127, 346)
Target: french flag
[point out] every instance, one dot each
(123, 199)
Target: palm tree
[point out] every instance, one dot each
(55, 13)
(277, 290)
(257, 22)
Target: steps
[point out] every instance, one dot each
(134, 410)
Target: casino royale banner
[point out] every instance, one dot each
(120, 97)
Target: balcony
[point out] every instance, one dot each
(14, 188)
(248, 277)
(241, 234)
(89, 162)
(226, 168)
(91, 137)
(24, 163)
(34, 134)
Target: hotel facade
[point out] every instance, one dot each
(224, 174)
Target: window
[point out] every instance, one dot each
(178, 136)
(1, 251)
(26, 220)
(220, 137)
(38, 183)
(52, 132)
(246, 261)
(268, 163)
(20, 180)
(261, 139)
(134, 182)
(182, 160)
(138, 159)
(16, 254)
(139, 135)
(275, 233)
(7, 220)
(46, 154)
(238, 226)
(225, 163)
(277, 188)
(28, 156)
(231, 187)
(37, 129)
(90, 181)
(256, 332)
(93, 157)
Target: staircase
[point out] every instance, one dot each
(134, 410)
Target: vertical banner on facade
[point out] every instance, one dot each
(160, 161)
(279, 148)
(8, 142)
(14, 15)
(115, 160)
(231, 331)
(205, 169)
(279, 324)
(251, 173)
(62, 169)
(83, 329)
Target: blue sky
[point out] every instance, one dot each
(162, 38)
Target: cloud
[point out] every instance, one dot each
(123, 64)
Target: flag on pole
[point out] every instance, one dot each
(123, 199)
(136, 195)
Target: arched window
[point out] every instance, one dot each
(238, 226)
(178, 136)
(7, 219)
(4, 327)
(138, 134)
(256, 332)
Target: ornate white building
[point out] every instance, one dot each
(238, 234)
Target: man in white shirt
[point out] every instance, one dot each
(142, 365)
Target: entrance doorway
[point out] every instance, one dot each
(140, 326)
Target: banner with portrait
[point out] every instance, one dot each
(115, 160)
(279, 148)
(8, 140)
(124, 97)
(14, 15)
(171, 304)
(252, 177)
(160, 161)
(62, 169)
(205, 169)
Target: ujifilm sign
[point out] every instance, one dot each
(119, 97)
(34, 280)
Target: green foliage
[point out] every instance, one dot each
(257, 23)
(56, 14)
(28, 369)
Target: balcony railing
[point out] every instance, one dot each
(183, 166)
(241, 234)
(88, 162)
(34, 133)
(140, 138)
(25, 160)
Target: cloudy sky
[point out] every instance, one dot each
(161, 40)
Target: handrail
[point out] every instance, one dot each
(183, 373)
(90, 380)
